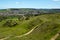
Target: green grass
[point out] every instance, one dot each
(42, 32)
(50, 25)
(21, 28)
(45, 31)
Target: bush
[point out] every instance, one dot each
(10, 23)
(27, 18)
(2, 18)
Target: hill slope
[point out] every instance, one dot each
(49, 27)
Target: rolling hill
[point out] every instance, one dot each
(45, 30)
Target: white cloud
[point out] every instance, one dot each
(17, 2)
(56, 0)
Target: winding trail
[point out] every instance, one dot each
(23, 34)
(28, 32)
(54, 37)
(5, 38)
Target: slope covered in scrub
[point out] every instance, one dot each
(46, 30)
(14, 27)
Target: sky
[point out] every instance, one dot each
(4, 4)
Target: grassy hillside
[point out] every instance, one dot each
(49, 26)
(7, 28)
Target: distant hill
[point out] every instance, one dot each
(17, 11)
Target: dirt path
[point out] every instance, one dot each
(20, 35)
(23, 34)
(30, 31)
(27, 32)
(5, 38)
(54, 37)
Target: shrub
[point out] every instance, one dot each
(10, 23)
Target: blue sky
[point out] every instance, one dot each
(29, 4)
